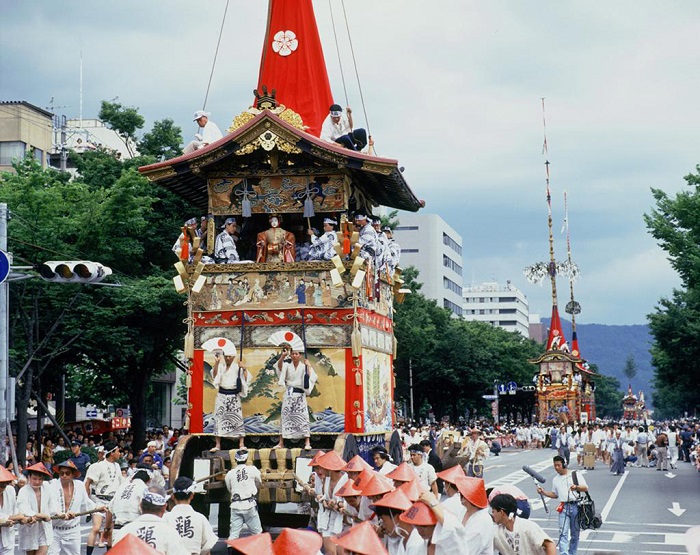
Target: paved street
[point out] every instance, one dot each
(644, 511)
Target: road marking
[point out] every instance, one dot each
(676, 509)
(670, 475)
(621, 537)
(608, 506)
(520, 475)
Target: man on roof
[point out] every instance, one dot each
(209, 132)
(339, 129)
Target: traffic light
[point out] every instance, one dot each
(72, 271)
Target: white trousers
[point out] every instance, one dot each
(65, 542)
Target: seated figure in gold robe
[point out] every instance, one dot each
(275, 244)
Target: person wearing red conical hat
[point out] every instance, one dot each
(377, 487)
(424, 471)
(412, 489)
(314, 459)
(361, 540)
(476, 527)
(351, 499)
(423, 521)
(258, 544)
(297, 542)
(131, 545)
(36, 501)
(330, 521)
(71, 498)
(8, 511)
(356, 465)
(451, 500)
(388, 509)
(402, 474)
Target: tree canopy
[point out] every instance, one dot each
(674, 324)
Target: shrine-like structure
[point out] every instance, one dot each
(633, 406)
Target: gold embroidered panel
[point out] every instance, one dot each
(276, 194)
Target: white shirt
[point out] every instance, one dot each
(561, 485)
(155, 532)
(9, 508)
(454, 505)
(474, 538)
(227, 377)
(527, 538)
(242, 481)
(106, 477)
(194, 528)
(210, 132)
(79, 502)
(331, 131)
(293, 376)
(426, 474)
(125, 504)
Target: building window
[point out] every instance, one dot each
(456, 309)
(507, 299)
(506, 311)
(10, 150)
(38, 155)
(508, 323)
(450, 242)
(447, 262)
(452, 286)
(403, 251)
(406, 228)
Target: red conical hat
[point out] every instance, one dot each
(70, 464)
(259, 544)
(419, 515)
(356, 464)
(473, 490)
(412, 489)
(314, 460)
(6, 475)
(131, 545)
(348, 489)
(331, 461)
(451, 474)
(402, 473)
(361, 539)
(378, 485)
(40, 468)
(364, 477)
(297, 542)
(394, 500)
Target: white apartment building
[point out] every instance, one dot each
(435, 249)
(504, 306)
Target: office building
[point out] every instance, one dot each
(24, 129)
(504, 306)
(429, 244)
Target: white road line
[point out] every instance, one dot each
(613, 497)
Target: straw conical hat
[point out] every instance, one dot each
(331, 461)
(451, 474)
(361, 539)
(70, 464)
(131, 545)
(473, 490)
(402, 473)
(356, 464)
(419, 515)
(394, 500)
(297, 542)
(6, 475)
(259, 544)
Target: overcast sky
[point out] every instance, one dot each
(452, 90)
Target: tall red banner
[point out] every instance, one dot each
(292, 62)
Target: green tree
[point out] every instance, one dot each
(675, 224)
(124, 120)
(608, 397)
(163, 141)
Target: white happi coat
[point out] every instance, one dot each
(67, 532)
(126, 503)
(9, 508)
(194, 528)
(29, 534)
(322, 247)
(155, 532)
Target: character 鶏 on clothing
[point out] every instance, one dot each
(232, 382)
(298, 378)
(322, 247)
(275, 244)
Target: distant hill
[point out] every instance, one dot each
(609, 346)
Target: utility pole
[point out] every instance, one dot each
(410, 386)
(4, 319)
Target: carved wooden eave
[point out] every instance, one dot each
(557, 356)
(269, 145)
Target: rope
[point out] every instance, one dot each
(337, 49)
(357, 75)
(216, 53)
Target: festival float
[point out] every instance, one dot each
(272, 161)
(564, 383)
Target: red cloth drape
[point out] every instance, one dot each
(556, 338)
(293, 64)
